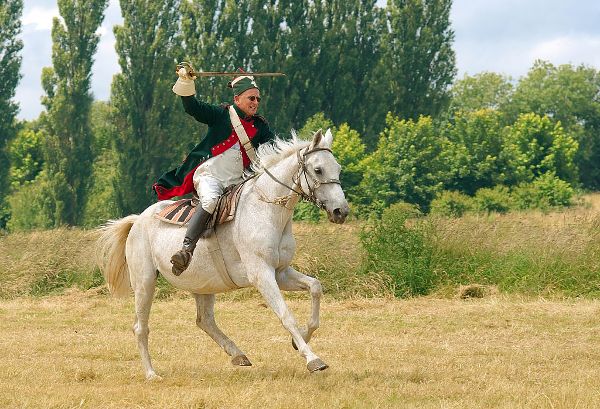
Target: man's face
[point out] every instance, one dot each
(248, 101)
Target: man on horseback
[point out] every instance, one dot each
(219, 160)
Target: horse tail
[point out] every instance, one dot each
(111, 254)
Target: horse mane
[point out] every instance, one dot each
(268, 154)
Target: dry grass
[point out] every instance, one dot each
(333, 254)
(593, 201)
(77, 350)
(567, 231)
(549, 254)
(27, 258)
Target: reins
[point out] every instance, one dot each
(302, 170)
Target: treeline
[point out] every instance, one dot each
(384, 78)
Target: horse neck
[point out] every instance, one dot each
(284, 171)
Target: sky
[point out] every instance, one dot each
(503, 36)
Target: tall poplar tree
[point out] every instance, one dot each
(327, 48)
(68, 102)
(10, 62)
(417, 62)
(148, 116)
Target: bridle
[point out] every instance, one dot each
(302, 172)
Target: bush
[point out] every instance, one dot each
(398, 245)
(50, 284)
(496, 199)
(557, 192)
(452, 204)
(539, 146)
(31, 205)
(525, 197)
(409, 164)
(307, 212)
(101, 201)
(547, 191)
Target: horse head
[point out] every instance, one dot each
(321, 178)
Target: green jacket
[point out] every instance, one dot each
(218, 139)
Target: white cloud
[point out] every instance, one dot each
(38, 18)
(507, 36)
(573, 49)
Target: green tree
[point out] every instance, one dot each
(567, 94)
(215, 37)
(477, 150)
(409, 164)
(348, 149)
(346, 50)
(350, 154)
(540, 146)
(10, 63)
(148, 117)
(102, 202)
(223, 35)
(314, 123)
(486, 90)
(68, 102)
(417, 63)
(327, 49)
(26, 153)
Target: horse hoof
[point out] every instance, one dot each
(294, 344)
(154, 378)
(241, 360)
(316, 365)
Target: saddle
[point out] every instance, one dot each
(181, 211)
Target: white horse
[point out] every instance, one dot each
(257, 247)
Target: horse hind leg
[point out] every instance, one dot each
(292, 280)
(205, 319)
(143, 287)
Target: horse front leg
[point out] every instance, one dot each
(292, 280)
(264, 281)
(205, 319)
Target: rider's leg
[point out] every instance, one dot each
(196, 225)
(209, 189)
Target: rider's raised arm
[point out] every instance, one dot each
(186, 89)
(201, 111)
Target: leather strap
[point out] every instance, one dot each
(212, 244)
(239, 130)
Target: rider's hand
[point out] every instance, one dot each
(185, 83)
(186, 71)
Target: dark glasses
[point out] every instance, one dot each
(253, 98)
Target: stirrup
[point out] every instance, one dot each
(181, 260)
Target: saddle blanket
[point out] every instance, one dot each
(181, 211)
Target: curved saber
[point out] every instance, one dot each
(193, 74)
(237, 74)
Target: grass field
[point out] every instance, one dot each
(530, 342)
(530, 253)
(77, 351)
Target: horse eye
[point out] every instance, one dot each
(318, 171)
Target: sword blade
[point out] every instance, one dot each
(237, 74)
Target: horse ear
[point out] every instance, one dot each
(328, 138)
(316, 139)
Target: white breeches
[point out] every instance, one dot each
(214, 175)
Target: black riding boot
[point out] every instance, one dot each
(196, 225)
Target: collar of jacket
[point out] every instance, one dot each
(241, 113)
